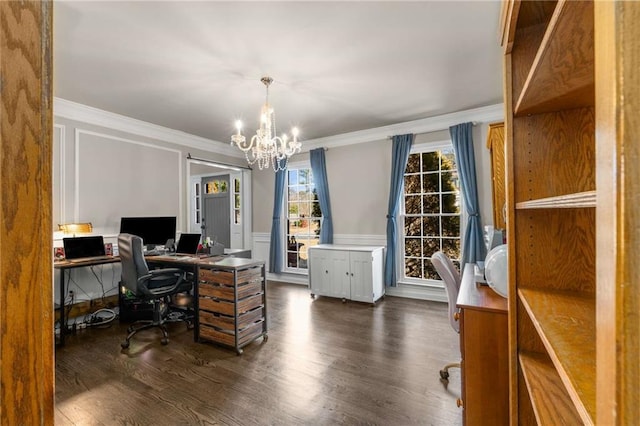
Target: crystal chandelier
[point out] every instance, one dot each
(266, 147)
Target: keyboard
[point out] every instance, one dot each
(89, 259)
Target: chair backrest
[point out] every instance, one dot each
(451, 277)
(133, 264)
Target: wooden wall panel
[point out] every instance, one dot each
(26, 311)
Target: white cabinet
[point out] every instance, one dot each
(347, 272)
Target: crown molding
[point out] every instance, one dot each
(486, 114)
(86, 114)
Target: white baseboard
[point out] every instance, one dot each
(410, 291)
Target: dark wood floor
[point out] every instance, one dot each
(325, 363)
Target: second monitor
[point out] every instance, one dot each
(154, 230)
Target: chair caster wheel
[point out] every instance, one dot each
(124, 345)
(444, 375)
(129, 329)
(164, 342)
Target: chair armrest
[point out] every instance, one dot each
(143, 282)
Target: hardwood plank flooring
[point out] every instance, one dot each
(325, 363)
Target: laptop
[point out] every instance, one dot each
(188, 244)
(81, 249)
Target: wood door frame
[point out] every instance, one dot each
(26, 262)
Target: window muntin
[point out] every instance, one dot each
(303, 217)
(432, 211)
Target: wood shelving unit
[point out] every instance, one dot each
(570, 156)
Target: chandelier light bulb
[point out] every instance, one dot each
(266, 147)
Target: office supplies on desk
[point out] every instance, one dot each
(82, 249)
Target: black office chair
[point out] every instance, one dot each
(451, 277)
(156, 286)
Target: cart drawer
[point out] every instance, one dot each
(226, 277)
(226, 307)
(225, 322)
(226, 292)
(228, 337)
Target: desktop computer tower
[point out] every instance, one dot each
(133, 309)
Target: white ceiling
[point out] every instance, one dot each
(337, 67)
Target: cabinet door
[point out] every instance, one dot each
(319, 279)
(339, 275)
(361, 276)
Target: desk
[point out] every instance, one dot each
(63, 266)
(484, 350)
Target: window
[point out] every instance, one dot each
(303, 217)
(432, 206)
(236, 201)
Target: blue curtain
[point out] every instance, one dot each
(462, 138)
(400, 155)
(319, 169)
(275, 246)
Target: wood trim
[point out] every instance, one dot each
(617, 43)
(26, 300)
(570, 201)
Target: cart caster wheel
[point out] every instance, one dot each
(313, 296)
(164, 341)
(239, 352)
(125, 344)
(265, 338)
(444, 375)
(344, 300)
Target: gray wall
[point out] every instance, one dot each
(101, 174)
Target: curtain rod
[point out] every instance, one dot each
(473, 123)
(217, 163)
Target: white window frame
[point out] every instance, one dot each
(285, 216)
(401, 278)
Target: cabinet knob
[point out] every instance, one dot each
(459, 403)
(347, 274)
(352, 274)
(326, 272)
(456, 316)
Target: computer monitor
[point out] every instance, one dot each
(154, 230)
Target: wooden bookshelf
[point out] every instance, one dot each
(572, 140)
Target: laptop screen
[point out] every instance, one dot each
(188, 243)
(78, 247)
